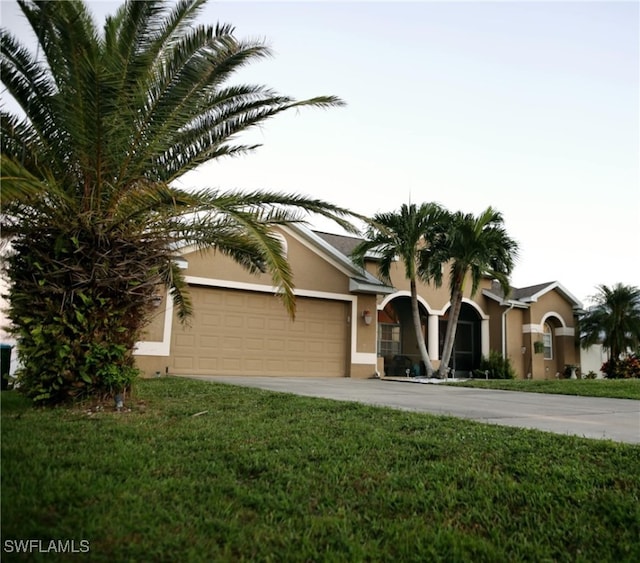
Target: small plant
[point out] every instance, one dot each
(590, 375)
(626, 368)
(496, 367)
(538, 347)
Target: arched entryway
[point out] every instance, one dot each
(397, 342)
(552, 351)
(467, 348)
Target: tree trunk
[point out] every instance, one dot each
(415, 313)
(450, 337)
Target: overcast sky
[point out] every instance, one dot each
(530, 107)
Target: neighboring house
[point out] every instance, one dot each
(348, 323)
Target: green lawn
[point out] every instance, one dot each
(209, 472)
(613, 388)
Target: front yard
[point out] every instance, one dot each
(198, 471)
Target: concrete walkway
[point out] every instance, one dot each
(590, 417)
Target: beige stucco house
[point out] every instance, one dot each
(348, 323)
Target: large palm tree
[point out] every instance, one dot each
(410, 235)
(613, 321)
(476, 247)
(109, 119)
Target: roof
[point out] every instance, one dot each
(342, 243)
(531, 293)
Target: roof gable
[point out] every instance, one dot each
(531, 293)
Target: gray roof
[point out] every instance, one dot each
(532, 293)
(342, 243)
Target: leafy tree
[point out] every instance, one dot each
(476, 246)
(613, 321)
(110, 120)
(411, 234)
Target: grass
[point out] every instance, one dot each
(613, 388)
(262, 476)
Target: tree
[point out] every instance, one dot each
(110, 120)
(613, 321)
(476, 246)
(410, 234)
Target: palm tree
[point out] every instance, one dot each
(410, 235)
(614, 320)
(110, 119)
(477, 246)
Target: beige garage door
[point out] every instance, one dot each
(243, 333)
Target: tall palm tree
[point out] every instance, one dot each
(614, 320)
(477, 246)
(110, 119)
(410, 235)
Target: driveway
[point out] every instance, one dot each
(590, 417)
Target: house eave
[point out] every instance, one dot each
(362, 286)
(504, 302)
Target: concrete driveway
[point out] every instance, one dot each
(612, 419)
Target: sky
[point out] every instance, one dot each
(530, 107)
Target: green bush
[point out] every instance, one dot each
(626, 368)
(496, 367)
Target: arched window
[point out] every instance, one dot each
(547, 339)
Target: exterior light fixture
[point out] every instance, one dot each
(523, 350)
(366, 315)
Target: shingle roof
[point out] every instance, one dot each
(531, 293)
(342, 243)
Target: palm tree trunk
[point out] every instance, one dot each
(415, 313)
(450, 337)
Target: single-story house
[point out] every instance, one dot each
(348, 322)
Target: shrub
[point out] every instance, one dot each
(626, 368)
(496, 367)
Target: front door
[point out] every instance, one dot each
(464, 349)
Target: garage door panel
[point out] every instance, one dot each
(183, 363)
(250, 333)
(233, 321)
(208, 363)
(258, 323)
(276, 345)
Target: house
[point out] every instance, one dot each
(348, 323)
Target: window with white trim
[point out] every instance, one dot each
(547, 340)
(388, 340)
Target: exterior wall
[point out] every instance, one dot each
(366, 338)
(323, 278)
(516, 349)
(310, 272)
(494, 310)
(592, 359)
(315, 277)
(558, 312)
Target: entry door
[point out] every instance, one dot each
(464, 347)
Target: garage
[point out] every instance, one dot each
(234, 332)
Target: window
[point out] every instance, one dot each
(547, 340)
(388, 340)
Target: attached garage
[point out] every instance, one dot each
(236, 332)
(240, 327)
